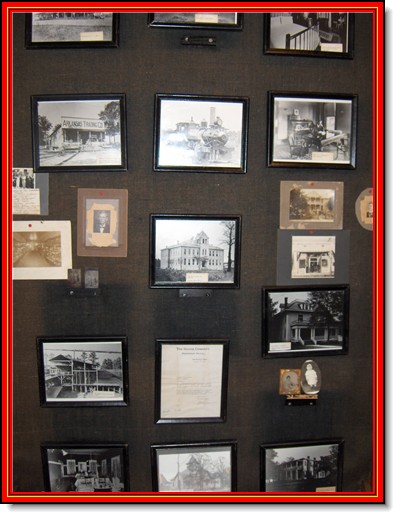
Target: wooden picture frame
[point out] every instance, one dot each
(197, 20)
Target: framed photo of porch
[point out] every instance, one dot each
(79, 132)
(199, 20)
(300, 321)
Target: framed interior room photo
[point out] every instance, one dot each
(200, 133)
(82, 371)
(315, 130)
(314, 34)
(77, 467)
(79, 132)
(195, 251)
(191, 380)
(311, 466)
(300, 321)
(72, 29)
(216, 20)
(102, 222)
(194, 467)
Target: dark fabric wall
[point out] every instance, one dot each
(149, 61)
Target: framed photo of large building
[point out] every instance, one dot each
(79, 132)
(199, 20)
(195, 251)
(300, 321)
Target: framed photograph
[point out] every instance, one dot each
(299, 321)
(29, 192)
(215, 20)
(79, 132)
(77, 467)
(200, 133)
(195, 251)
(314, 34)
(311, 466)
(83, 371)
(72, 29)
(191, 380)
(313, 205)
(41, 250)
(102, 222)
(195, 467)
(290, 381)
(312, 130)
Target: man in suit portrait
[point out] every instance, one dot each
(101, 221)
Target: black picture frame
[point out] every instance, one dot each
(207, 264)
(94, 467)
(312, 130)
(302, 466)
(200, 133)
(197, 20)
(305, 321)
(79, 132)
(83, 371)
(184, 366)
(187, 457)
(49, 29)
(314, 34)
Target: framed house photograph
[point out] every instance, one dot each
(215, 20)
(191, 380)
(72, 29)
(313, 205)
(314, 34)
(312, 130)
(79, 132)
(78, 467)
(195, 251)
(41, 250)
(200, 133)
(311, 466)
(102, 222)
(83, 371)
(195, 467)
(299, 321)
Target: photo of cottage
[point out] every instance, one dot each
(313, 256)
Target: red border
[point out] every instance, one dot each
(377, 493)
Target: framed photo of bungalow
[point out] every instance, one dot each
(195, 251)
(191, 380)
(102, 222)
(72, 29)
(79, 132)
(313, 34)
(78, 467)
(195, 467)
(299, 321)
(216, 20)
(310, 466)
(82, 371)
(316, 130)
(200, 133)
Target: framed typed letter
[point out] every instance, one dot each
(79, 132)
(315, 34)
(102, 222)
(200, 133)
(195, 467)
(216, 20)
(312, 466)
(195, 251)
(72, 29)
(312, 130)
(191, 380)
(299, 321)
(85, 467)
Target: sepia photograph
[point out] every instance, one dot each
(290, 381)
(364, 209)
(74, 278)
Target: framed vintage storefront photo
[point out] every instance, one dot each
(199, 20)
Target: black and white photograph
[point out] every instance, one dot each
(195, 251)
(217, 20)
(71, 29)
(310, 377)
(85, 371)
(299, 321)
(194, 467)
(74, 278)
(85, 468)
(200, 133)
(313, 256)
(29, 192)
(314, 130)
(79, 133)
(91, 278)
(364, 208)
(302, 466)
(317, 34)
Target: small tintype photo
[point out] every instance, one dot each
(364, 208)
(91, 278)
(228, 20)
(313, 256)
(74, 278)
(290, 381)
